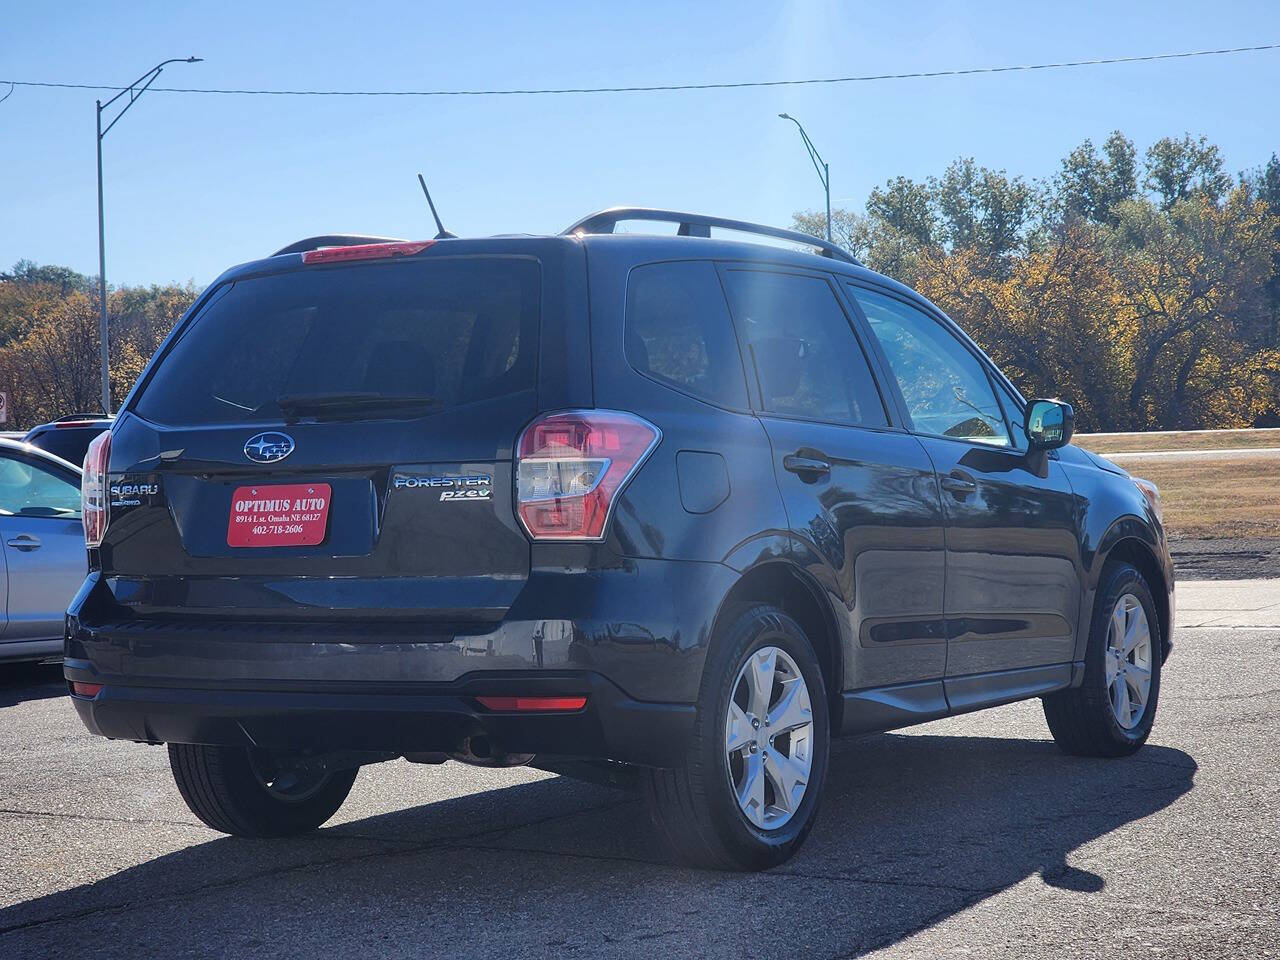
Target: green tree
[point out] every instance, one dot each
(1090, 185)
(1178, 169)
(906, 206)
(64, 278)
(982, 209)
(848, 229)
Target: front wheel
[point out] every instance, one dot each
(747, 794)
(1110, 714)
(243, 792)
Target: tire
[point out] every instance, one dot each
(226, 788)
(1085, 720)
(695, 806)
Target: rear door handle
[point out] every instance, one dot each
(959, 484)
(24, 542)
(806, 467)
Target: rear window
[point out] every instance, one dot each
(456, 330)
(69, 443)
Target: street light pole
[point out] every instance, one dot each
(102, 278)
(823, 168)
(135, 90)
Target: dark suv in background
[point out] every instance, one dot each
(669, 510)
(68, 437)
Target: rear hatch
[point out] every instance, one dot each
(332, 441)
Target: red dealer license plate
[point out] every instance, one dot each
(279, 515)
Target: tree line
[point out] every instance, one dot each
(49, 339)
(1144, 290)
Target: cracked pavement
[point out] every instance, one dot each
(971, 836)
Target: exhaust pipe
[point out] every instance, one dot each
(479, 751)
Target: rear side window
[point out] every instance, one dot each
(678, 331)
(456, 331)
(806, 355)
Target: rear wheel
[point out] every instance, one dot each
(1110, 714)
(747, 794)
(246, 793)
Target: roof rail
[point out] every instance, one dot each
(332, 240)
(699, 225)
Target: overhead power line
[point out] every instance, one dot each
(661, 87)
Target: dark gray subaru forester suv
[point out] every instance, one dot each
(668, 511)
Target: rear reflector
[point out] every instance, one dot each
(532, 704)
(365, 251)
(81, 689)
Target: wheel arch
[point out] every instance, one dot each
(784, 585)
(1128, 546)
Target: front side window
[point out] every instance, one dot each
(28, 490)
(807, 358)
(946, 390)
(1015, 415)
(678, 331)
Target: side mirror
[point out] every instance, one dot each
(1050, 424)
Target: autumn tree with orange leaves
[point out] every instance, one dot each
(49, 342)
(1147, 293)
(1146, 290)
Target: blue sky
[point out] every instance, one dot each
(196, 183)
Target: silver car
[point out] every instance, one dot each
(42, 552)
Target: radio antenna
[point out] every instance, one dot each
(443, 234)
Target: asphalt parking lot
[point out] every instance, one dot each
(967, 837)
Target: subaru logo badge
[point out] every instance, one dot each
(268, 447)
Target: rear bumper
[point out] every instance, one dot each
(631, 637)
(422, 719)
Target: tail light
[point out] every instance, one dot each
(571, 466)
(94, 504)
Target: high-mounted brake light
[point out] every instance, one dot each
(94, 504)
(365, 251)
(532, 704)
(571, 466)
(63, 424)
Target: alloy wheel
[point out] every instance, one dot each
(1128, 661)
(769, 738)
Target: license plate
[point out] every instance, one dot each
(279, 515)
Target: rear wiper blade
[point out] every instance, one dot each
(302, 404)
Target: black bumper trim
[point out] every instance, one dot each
(426, 717)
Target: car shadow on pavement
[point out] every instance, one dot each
(914, 828)
(20, 682)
